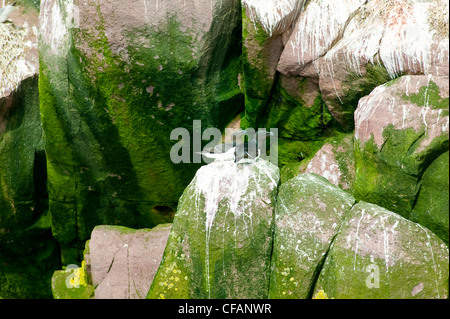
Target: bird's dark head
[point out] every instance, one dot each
(14, 3)
(264, 134)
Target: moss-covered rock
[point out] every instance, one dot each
(122, 262)
(112, 89)
(397, 138)
(308, 215)
(221, 239)
(28, 253)
(335, 161)
(262, 32)
(72, 283)
(374, 46)
(432, 206)
(379, 254)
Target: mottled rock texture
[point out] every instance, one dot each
(379, 254)
(28, 253)
(308, 215)
(123, 262)
(401, 127)
(112, 89)
(221, 239)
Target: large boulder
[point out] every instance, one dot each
(354, 46)
(264, 26)
(116, 77)
(123, 262)
(432, 206)
(335, 161)
(221, 239)
(308, 215)
(379, 254)
(28, 253)
(401, 127)
(119, 263)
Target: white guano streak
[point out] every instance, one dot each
(407, 44)
(432, 257)
(357, 238)
(227, 182)
(272, 14)
(53, 27)
(318, 27)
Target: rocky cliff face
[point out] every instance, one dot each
(358, 90)
(112, 89)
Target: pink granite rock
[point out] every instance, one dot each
(123, 262)
(335, 162)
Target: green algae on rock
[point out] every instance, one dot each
(397, 139)
(432, 206)
(308, 215)
(335, 161)
(28, 253)
(112, 89)
(262, 32)
(379, 254)
(221, 239)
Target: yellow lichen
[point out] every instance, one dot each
(321, 294)
(79, 276)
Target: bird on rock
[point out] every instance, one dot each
(220, 157)
(225, 147)
(6, 11)
(252, 148)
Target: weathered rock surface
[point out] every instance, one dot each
(353, 46)
(18, 43)
(114, 82)
(432, 206)
(308, 215)
(335, 161)
(401, 127)
(221, 239)
(123, 262)
(28, 253)
(379, 254)
(72, 283)
(263, 26)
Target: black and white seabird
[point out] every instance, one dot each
(252, 148)
(220, 157)
(224, 147)
(6, 11)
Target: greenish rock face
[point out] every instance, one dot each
(379, 254)
(397, 138)
(72, 283)
(296, 108)
(260, 52)
(308, 215)
(28, 254)
(221, 239)
(432, 207)
(335, 161)
(111, 92)
(354, 87)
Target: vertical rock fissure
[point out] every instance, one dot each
(273, 238)
(321, 263)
